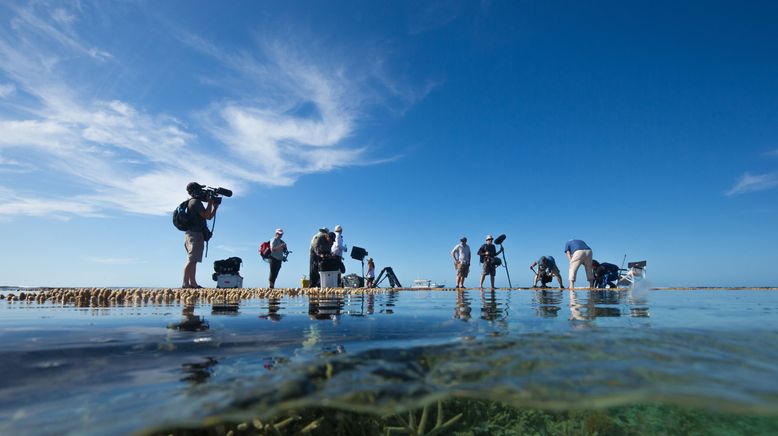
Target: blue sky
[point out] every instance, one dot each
(645, 128)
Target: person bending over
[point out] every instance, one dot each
(547, 270)
(605, 274)
(578, 253)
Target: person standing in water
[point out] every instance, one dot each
(461, 255)
(578, 253)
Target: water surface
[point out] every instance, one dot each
(125, 369)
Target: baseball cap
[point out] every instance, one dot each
(338, 228)
(194, 186)
(280, 231)
(488, 237)
(463, 238)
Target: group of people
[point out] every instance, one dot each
(487, 254)
(577, 251)
(326, 253)
(327, 250)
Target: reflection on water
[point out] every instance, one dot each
(547, 302)
(391, 350)
(326, 307)
(493, 308)
(191, 322)
(272, 310)
(603, 303)
(462, 308)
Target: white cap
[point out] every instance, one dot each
(338, 228)
(488, 237)
(279, 231)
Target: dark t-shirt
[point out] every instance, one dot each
(196, 220)
(489, 250)
(605, 268)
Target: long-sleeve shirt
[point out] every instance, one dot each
(338, 247)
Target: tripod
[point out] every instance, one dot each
(393, 282)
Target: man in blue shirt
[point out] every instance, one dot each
(579, 253)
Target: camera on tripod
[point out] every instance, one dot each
(207, 194)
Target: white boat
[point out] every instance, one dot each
(426, 284)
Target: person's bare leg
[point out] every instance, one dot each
(559, 277)
(491, 277)
(481, 283)
(190, 274)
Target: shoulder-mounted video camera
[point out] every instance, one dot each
(206, 193)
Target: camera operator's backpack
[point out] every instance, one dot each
(181, 216)
(264, 250)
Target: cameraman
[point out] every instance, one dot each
(194, 241)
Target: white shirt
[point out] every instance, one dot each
(461, 253)
(338, 247)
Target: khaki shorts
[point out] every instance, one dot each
(194, 244)
(463, 269)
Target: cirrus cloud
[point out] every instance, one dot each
(298, 116)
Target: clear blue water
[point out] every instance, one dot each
(123, 369)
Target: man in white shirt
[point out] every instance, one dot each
(461, 255)
(338, 246)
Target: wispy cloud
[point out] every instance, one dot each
(116, 260)
(298, 116)
(772, 153)
(6, 89)
(434, 15)
(753, 182)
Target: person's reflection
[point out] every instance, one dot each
(586, 305)
(191, 322)
(462, 309)
(602, 301)
(198, 372)
(491, 310)
(273, 307)
(391, 299)
(547, 303)
(370, 303)
(638, 304)
(576, 312)
(325, 307)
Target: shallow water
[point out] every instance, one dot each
(616, 354)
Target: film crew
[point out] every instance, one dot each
(194, 241)
(578, 253)
(316, 249)
(370, 276)
(277, 252)
(546, 272)
(461, 255)
(488, 255)
(605, 274)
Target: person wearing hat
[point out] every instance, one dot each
(370, 276)
(319, 246)
(194, 239)
(337, 250)
(277, 251)
(461, 255)
(488, 253)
